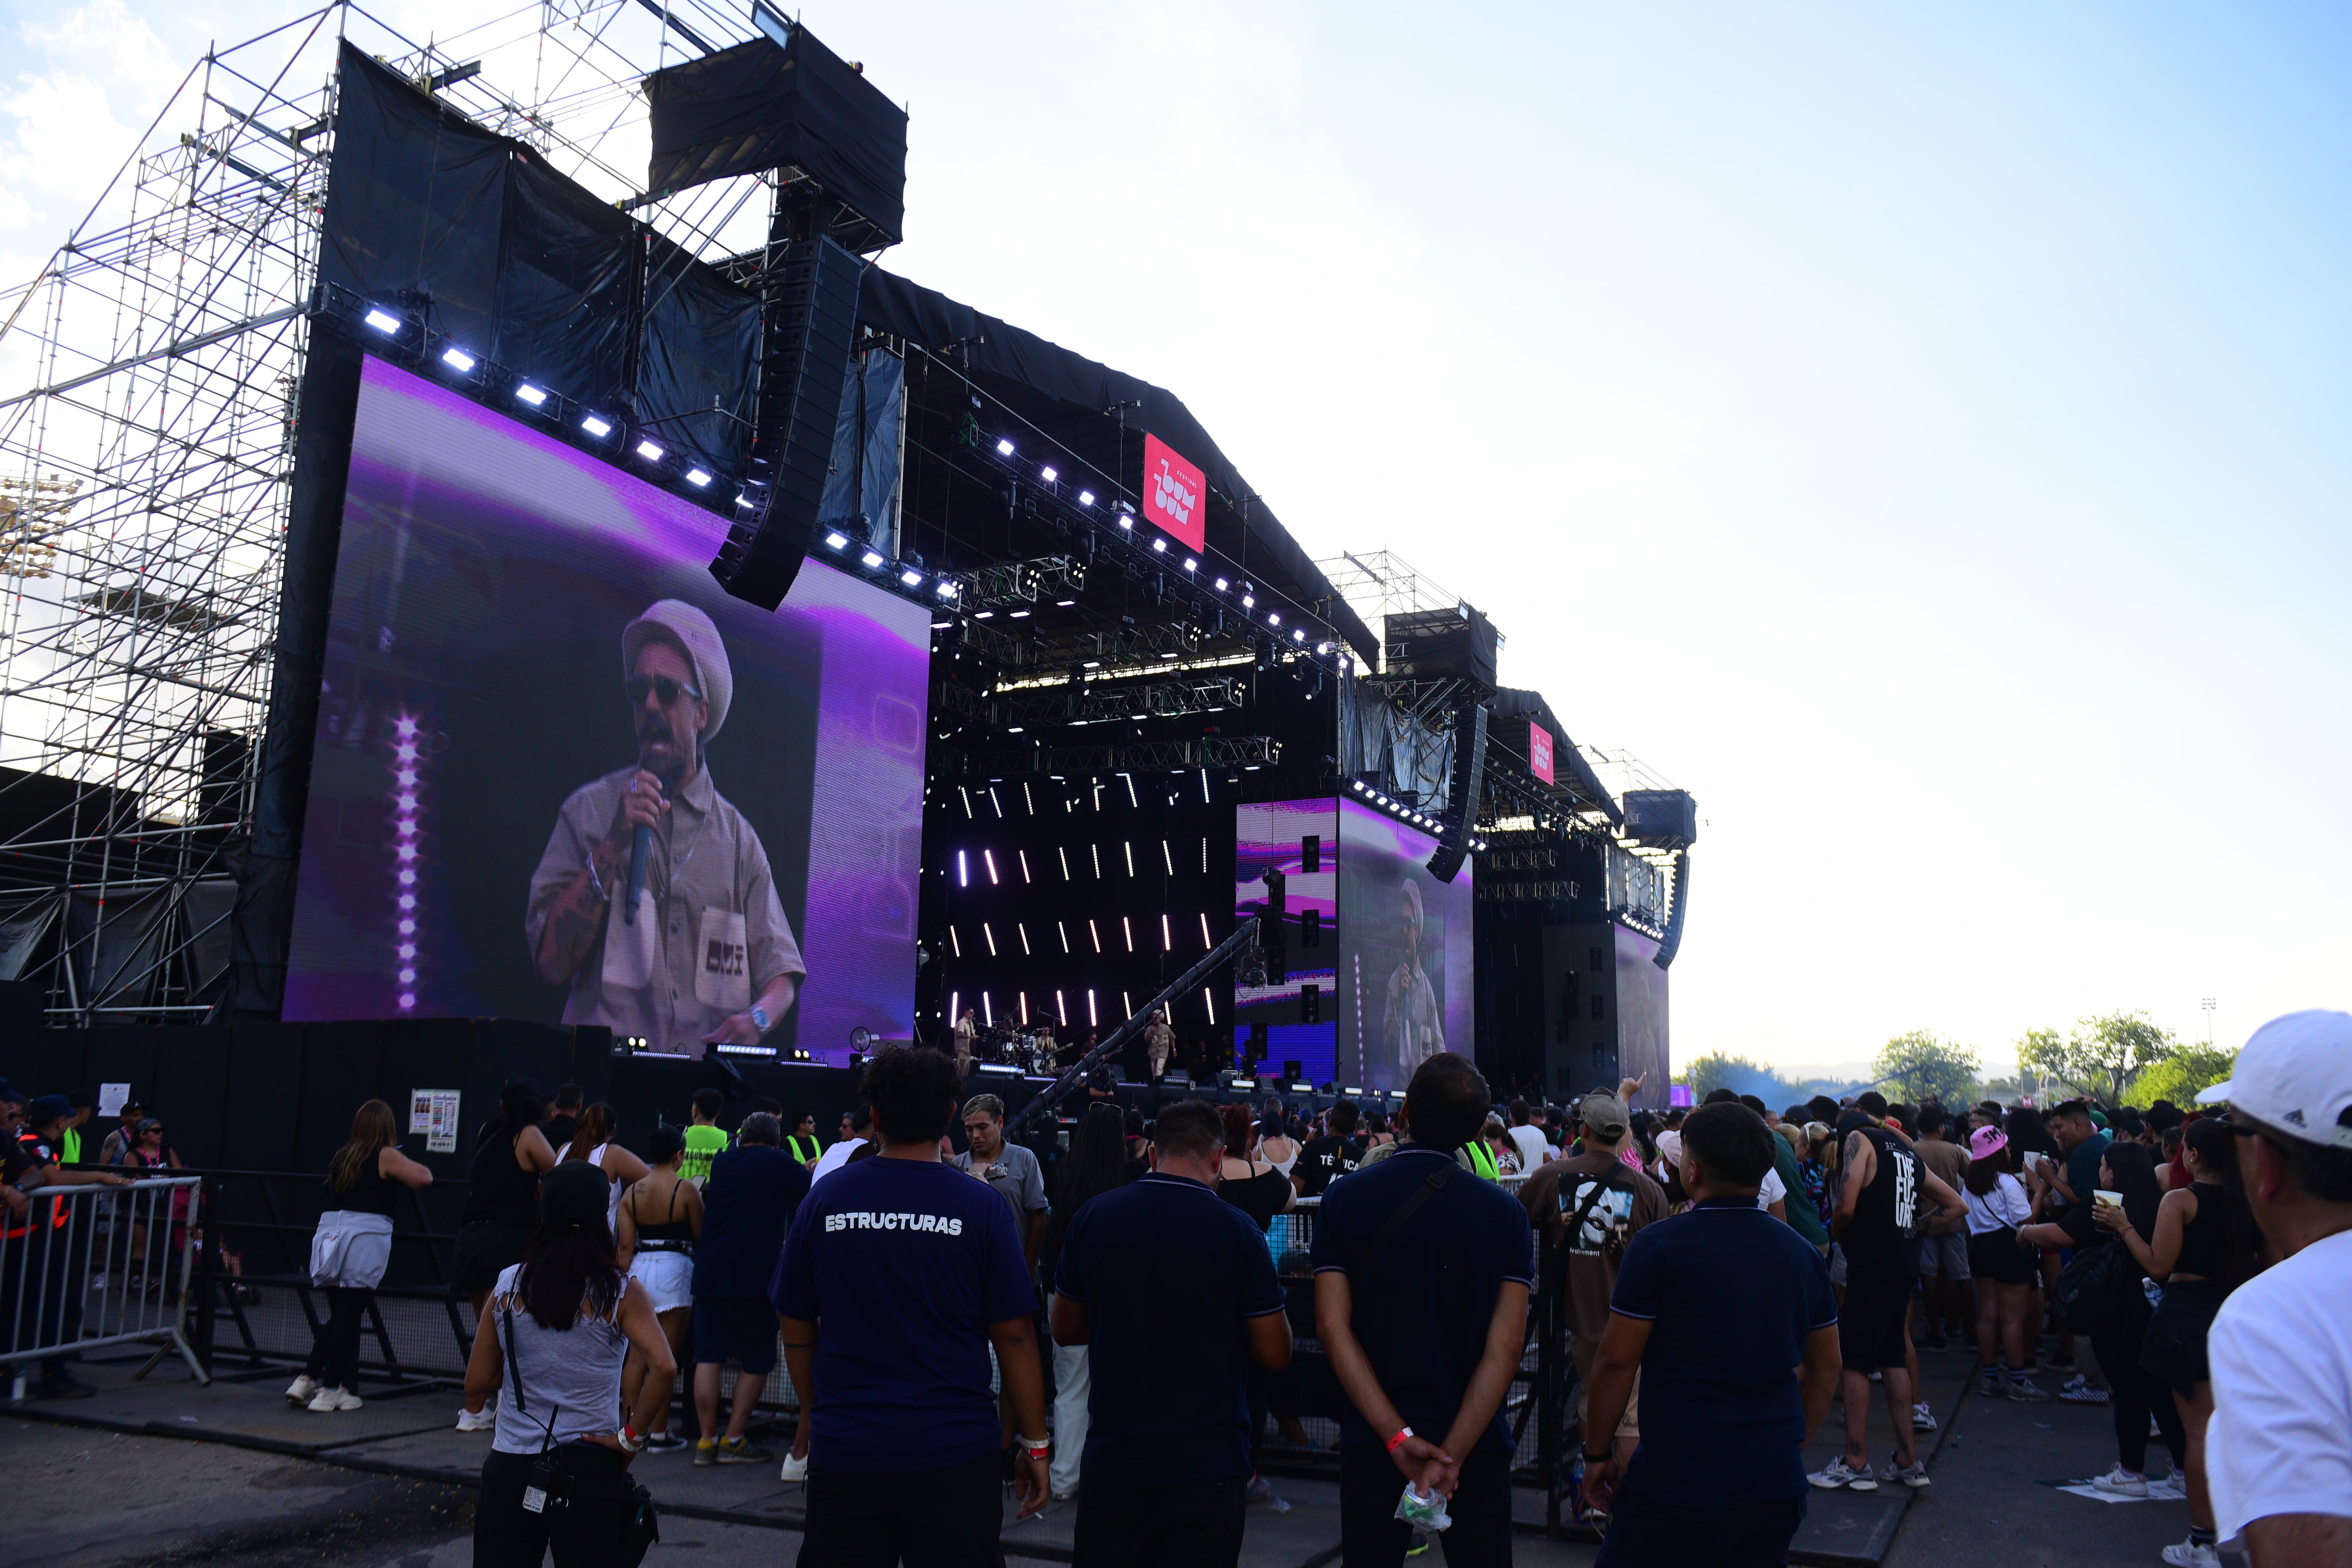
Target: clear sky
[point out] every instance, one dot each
(1922, 433)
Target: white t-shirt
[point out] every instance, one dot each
(1533, 1149)
(833, 1159)
(2281, 1348)
(2006, 1204)
(1773, 1190)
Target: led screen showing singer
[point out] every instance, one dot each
(654, 904)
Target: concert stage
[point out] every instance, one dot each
(670, 622)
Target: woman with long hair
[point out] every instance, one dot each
(2133, 1393)
(349, 1251)
(550, 1344)
(660, 1221)
(501, 1198)
(592, 1141)
(1274, 1138)
(2205, 1245)
(1096, 1163)
(2002, 1266)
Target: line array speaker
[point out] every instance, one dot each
(1462, 799)
(812, 320)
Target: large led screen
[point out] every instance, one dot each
(1405, 954)
(1300, 839)
(1642, 1033)
(527, 662)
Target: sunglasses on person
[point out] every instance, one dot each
(666, 689)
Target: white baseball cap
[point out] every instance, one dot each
(2295, 1076)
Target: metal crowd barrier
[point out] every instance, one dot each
(87, 1267)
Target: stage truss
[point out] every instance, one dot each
(147, 403)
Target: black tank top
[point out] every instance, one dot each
(672, 1235)
(370, 1194)
(2205, 1240)
(499, 1191)
(1882, 1237)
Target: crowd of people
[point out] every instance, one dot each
(1120, 1324)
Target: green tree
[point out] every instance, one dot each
(1914, 1065)
(2180, 1076)
(2107, 1052)
(1715, 1070)
(2040, 1057)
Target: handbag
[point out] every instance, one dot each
(2092, 1284)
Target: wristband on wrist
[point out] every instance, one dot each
(1592, 1459)
(1398, 1441)
(1036, 1448)
(630, 1441)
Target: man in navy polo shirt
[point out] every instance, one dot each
(1421, 1274)
(1717, 1309)
(1174, 1291)
(914, 1271)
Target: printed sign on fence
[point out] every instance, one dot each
(113, 1098)
(433, 1112)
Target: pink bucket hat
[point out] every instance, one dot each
(1986, 1142)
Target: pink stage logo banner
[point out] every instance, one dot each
(1172, 492)
(1539, 751)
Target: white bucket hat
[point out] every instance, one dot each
(695, 632)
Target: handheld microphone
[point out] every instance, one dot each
(640, 842)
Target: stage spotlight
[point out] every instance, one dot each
(1190, 564)
(1004, 449)
(1086, 497)
(1064, 604)
(1049, 475)
(984, 615)
(528, 393)
(835, 540)
(595, 427)
(1298, 636)
(383, 320)
(871, 559)
(910, 578)
(649, 452)
(1274, 618)
(1222, 584)
(1322, 648)
(457, 359)
(1249, 601)
(947, 590)
(698, 478)
(1160, 545)
(1018, 615)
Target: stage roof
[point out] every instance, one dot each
(1084, 394)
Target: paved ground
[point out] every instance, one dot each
(81, 1498)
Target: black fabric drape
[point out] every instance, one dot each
(699, 346)
(416, 204)
(759, 105)
(567, 276)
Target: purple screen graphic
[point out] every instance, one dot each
(1275, 835)
(1405, 956)
(495, 593)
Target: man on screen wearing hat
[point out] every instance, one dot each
(705, 956)
(2278, 1452)
(1416, 1032)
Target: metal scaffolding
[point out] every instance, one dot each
(146, 456)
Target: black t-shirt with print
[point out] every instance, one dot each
(1325, 1161)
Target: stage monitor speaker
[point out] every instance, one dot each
(812, 321)
(1462, 798)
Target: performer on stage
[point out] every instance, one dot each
(1415, 1031)
(708, 957)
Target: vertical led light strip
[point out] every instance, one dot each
(407, 812)
(1066, 863)
(1025, 1008)
(1167, 941)
(963, 870)
(955, 942)
(1023, 853)
(954, 1012)
(1210, 997)
(987, 1010)
(1128, 926)
(1094, 934)
(1129, 844)
(988, 858)
(1060, 1011)
(1206, 945)
(990, 936)
(1065, 931)
(1169, 856)
(1023, 929)
(1092, 1021)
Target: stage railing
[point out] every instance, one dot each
(87, 1267)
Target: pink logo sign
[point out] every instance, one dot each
(1173, 491)
(1539, 751)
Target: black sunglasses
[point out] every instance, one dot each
(663, 687)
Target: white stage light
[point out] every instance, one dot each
(696, 478)
(1004, 449)
(529, 393)
(910, 578)
(871, 559)
(835, 540)
(595, 427)
(457, 359)
(649, 452)
(383, 320)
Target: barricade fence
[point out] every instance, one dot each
(86, 1268)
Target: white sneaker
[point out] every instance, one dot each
(299, 1391)
(327, 1401)
(794, 1469)
(2191, 1554)
(1836, 1475)
(480, 1420)
(1923, 1417)
(2121, 1483)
